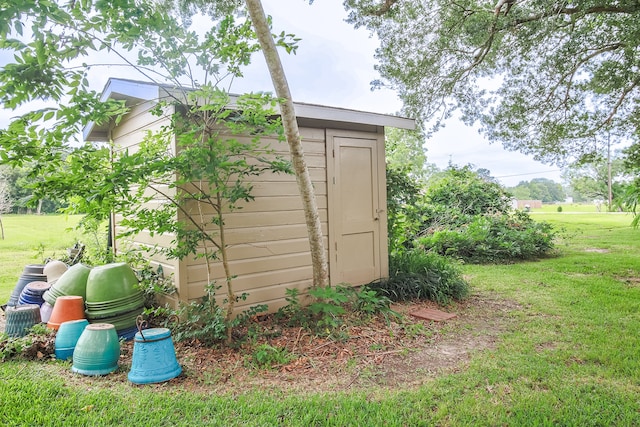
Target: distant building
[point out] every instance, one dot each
(531, 204)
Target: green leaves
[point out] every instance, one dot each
(544, 78)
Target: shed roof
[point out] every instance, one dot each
(309, 114)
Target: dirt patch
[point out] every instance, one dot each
(392, 353)
(597, 250)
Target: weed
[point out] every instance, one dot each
(38, 343)
(267, 356)
(413, 330)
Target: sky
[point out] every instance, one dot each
(334, 66)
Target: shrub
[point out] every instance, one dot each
(330, 305)
(417, 274)
(206, 321)
(493, 238)
(466, 191)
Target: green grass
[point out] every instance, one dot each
(28, 240)
(569, 358)
(570, 207)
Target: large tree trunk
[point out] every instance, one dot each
(318, 255)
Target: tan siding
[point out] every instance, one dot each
(259, 281)
(269, 249)
(128, 134)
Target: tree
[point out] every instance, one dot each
(6, 204)
(312, 217)
(542, 189)
(542, 77)
(590, 181)
(404, 150)
(198, 181)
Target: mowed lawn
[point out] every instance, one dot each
(569, 357)
(29, 239)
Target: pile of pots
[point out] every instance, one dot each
(25, 306)
(112, 296)
(103, 294)
(91, 310)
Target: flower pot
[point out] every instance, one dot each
(21, 318)
(97, 350)
(111, 282)
(68, 307)
(154, 357)
(72, 282)
(30, 273)
(67, 337)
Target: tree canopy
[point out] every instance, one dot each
(542, 189)
(545, 78)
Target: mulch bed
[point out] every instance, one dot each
(383, 352)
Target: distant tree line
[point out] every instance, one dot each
(16, 189)
(539, 189)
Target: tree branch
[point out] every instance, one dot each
(383, 8)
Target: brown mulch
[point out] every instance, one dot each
(395, 352)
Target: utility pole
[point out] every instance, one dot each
(609, 169)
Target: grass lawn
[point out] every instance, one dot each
(569, 358)
(570, 207)
(28, 240)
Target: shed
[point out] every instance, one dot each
(344, 150)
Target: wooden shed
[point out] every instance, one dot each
(344, 150)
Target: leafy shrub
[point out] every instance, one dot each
(404, 207)
(493, 238)
(206, 321)
(417, 274)
(559, 209)
(466, 191)
(330, 305)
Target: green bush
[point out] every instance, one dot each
(205, 320)
(330, 305)
(493, 238)
(466, 191)
(417, 274)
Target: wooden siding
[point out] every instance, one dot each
(128, 135)
(267, 237)
(269, 248)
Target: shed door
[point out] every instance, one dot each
(357, 207)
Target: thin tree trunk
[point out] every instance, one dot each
(2, 228)
(318, 255)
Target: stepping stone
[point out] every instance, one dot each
(432, 314)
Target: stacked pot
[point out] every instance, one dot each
(30, 273)
(113, 297)
(73, 282)
(32, 293)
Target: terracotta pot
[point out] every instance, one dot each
(68, 307)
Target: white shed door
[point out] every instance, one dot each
(355, 207)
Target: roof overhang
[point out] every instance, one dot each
(134, 92)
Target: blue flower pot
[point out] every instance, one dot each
(154, 357)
